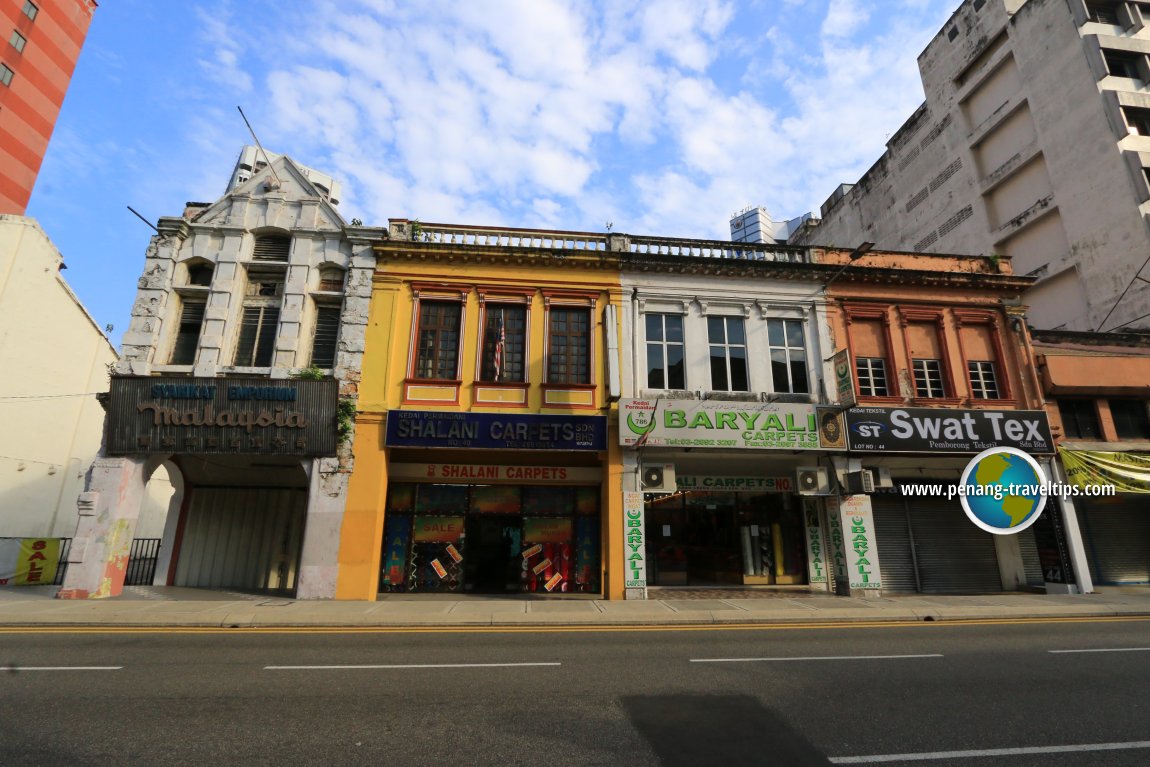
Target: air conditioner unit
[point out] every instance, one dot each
(659, 478)
(859, 482)
(813, 480)
(883, 479)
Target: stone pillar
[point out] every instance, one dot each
(1074, 540)
(98, 558)
(1011, 569)
(319, 561)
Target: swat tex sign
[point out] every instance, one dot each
(943, 430)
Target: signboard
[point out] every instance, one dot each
(634, 545)
(249, 416)
(862, 549)
(837, 544)
(395, 550)
(844, 378)
(28, 561)
(504, 431)
(547, 530)
(742, 425)
(1053, 553)
(816, 562)
(438, 529)
(482, 474)
(945, 430)
(735, 484)
(1128, 472)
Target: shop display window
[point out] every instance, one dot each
(491, 539)
(495, 499)
(441, 499)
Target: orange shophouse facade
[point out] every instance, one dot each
(931, 337)
(483, 462)
(1097, 389)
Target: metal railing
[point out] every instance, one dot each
(741, 251)
(142, 558)
(480, 236)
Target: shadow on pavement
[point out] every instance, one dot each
(694, 730)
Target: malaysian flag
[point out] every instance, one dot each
(500, 343)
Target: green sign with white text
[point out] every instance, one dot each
(715, 423)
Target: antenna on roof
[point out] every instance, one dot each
(260, 146)
(146, 221)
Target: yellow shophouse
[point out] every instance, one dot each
(485, 460)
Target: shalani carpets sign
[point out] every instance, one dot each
(715, 423)
(28, 561)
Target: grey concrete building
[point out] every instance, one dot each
(1033, 143)
(265, 282)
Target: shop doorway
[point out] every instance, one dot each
(493, 553)
(705, 539)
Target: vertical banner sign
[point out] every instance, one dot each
(28, 561)
(395, 550)
(862, 551)
(816, 557)
(837, 546)
(844, 378)
(635, 556)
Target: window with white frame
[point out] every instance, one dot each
(665, 358)
(983, 381)
(788, 346)
(928, 378)
(727, 339)
(871, 373)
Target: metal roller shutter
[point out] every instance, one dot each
(895, 557)
(954, 556)
(242, 538)
(1118, 540)
(1030, 561)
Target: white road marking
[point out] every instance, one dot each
(813, 657)
(1106, 649)
(411, 665)
(60, 668)
(986, 752)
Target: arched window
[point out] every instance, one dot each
(200, 274)
(272, 247)
(331, 279)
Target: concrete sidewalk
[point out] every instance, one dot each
(146, 606)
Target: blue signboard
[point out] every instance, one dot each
(507, 431)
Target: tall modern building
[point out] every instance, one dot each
(41, 43)
(1033, 144)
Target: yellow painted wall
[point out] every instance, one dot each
(385, 366)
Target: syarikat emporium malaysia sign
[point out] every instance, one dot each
(259, 416)
(942, 430)
(716, 423)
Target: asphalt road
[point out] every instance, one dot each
(627, 697)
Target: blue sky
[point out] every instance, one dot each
(662, 117)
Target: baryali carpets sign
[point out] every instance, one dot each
(714, 423)
(943, 430)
